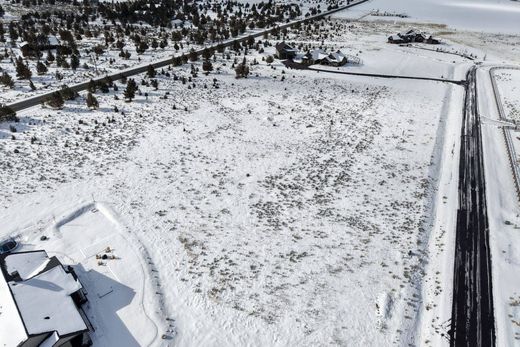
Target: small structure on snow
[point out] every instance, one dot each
(40, 302)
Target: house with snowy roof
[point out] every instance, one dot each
(412, 35)
(40, 302)
(319, 56)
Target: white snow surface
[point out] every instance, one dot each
(310, 211)
(498, 16)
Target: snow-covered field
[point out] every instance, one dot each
(291, 208)
(495, 16)
(268, 206)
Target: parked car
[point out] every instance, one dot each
(7, 246)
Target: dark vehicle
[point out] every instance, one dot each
(8, 246)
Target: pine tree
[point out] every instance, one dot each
(74, 62)
(7, 114)
(131, 88)
(22, 70)
(7, 80)
(41, 69)
(2, 33)
(92, 87)
(193, 55)
(92, 101)
(242, 70)
(55, 100)
(151, 71)
(67, 93)
(207, 66)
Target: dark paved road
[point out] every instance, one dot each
(473, 321)
(291, 64)
(36, 100)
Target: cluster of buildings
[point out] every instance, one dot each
(412, 35)
(40, 302)
(316, 56)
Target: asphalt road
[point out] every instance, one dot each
(293, 65)
(472, 321)
(36, 100)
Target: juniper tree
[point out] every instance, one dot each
(7, 80)
(92, 101)
(22, 70)
(193, 55)
(207, 66)
(67, 93)
(151, 71)
(92, 87)
(131, 88)
(242, 70)
(74, 62)
(41, 69)
(7, 114)
(55, 100)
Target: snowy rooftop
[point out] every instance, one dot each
(45, 304)
(27, 264)
(38, 303)
(12, 332)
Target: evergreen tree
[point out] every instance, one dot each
(7, 114)
(155, 84)
(74, 62)
(151, 71)
(92, 87)
(207, 66)
(22, 70)
(67, 93)
(41, 69)
(193, 55)
(92, 101)
(7, 80)
(131, 88)
(55, 100)
(242, 70)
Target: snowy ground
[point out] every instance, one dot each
(289, 208)
(495, 16)
(267, 207)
